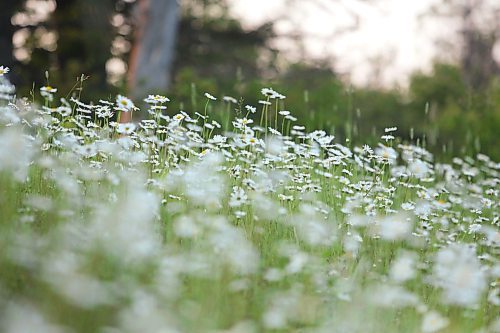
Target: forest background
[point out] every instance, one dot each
(100, 48)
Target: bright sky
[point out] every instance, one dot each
(389, 31)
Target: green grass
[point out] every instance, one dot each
(109, 232)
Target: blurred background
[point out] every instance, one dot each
(352, 67)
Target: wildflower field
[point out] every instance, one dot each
(180, 223)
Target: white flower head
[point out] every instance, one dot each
(126, 128)
(48, 89)
(388, 154)
(458, 271)
(64, 111)
(48, 92)
(156, 99)
(16, 153)
(419, 169)
(210, 97)
(178, 117)
(394, 227)
(269, 92)
(218, 139)
(408, 206)
(403, 268)
(4, 70)
(434, 322)
(238, 197)
(250, 108)
(230, 99)
(124, 104)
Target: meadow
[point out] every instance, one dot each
(253, 223)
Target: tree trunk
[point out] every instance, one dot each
(152, 54)
(477, 62)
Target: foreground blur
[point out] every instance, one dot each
(175, 225)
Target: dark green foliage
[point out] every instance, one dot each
(84, 36)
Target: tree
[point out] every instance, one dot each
(7, 32)
(478, 23)
(477, 58)
(84, 39)
(7, 29)
(152, 54)
(197, 40)
(70, 38)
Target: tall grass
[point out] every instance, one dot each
(179, 224)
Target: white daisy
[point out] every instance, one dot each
(126, 128)
(124, 104)
(4, 70)
(210, 97)
(155, 99)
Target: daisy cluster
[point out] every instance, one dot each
(177, 224)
